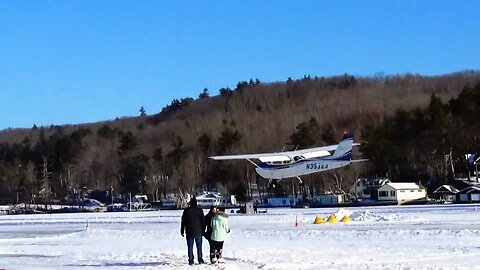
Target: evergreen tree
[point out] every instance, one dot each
(134, 172)
(228, 139)
(106, 132)
(328, 135)
(205, 143)
(204, 94)
(142, 111)
(227, 92)
(128, 142)
(307, 134)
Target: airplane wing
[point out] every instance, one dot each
(279, 156)
(320, 149)
(284, 156)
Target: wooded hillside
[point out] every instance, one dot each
(166, 152)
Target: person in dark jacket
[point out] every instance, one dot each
(209, 229)
(193, 225)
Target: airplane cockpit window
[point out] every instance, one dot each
(297, 158)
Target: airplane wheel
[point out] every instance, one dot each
(272, 184)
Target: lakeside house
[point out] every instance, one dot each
(445, 193)
(401, 193)
(5, 209)
(366, 189)
(328, 199)
(206, 199)
(209, 199)
(384, 191)
(469, 194)
(283, 201)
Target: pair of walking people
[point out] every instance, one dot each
(214, 226)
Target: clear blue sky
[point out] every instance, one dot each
(69, 62)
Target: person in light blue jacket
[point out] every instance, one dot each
(220, 229)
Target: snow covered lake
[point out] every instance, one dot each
(387, 237)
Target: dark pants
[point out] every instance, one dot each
(198, 243)
(211, 243)
(217, 249)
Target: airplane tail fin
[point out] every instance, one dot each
(344, 149)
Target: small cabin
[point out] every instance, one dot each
(168, 203)
(328, 199)
(469, 194)
(445, 193)
(5, 209)
(402, 192)
(209, 199)
(365, 188)
(282, 202)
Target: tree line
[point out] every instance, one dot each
(47, 170)
(414, 144)
(167, 152)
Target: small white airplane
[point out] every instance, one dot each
(277, 166)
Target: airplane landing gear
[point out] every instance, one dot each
(272, 184)
(300, 180)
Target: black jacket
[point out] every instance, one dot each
(208, 221)
(193, 221)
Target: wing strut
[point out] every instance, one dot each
(299, 180)
(254, 164)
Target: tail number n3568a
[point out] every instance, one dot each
(316, 166)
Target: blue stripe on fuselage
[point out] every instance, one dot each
(264, 165)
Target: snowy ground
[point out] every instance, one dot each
(388, 237)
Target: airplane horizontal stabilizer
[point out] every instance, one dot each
(358, 160)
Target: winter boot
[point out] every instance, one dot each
(219, 256)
